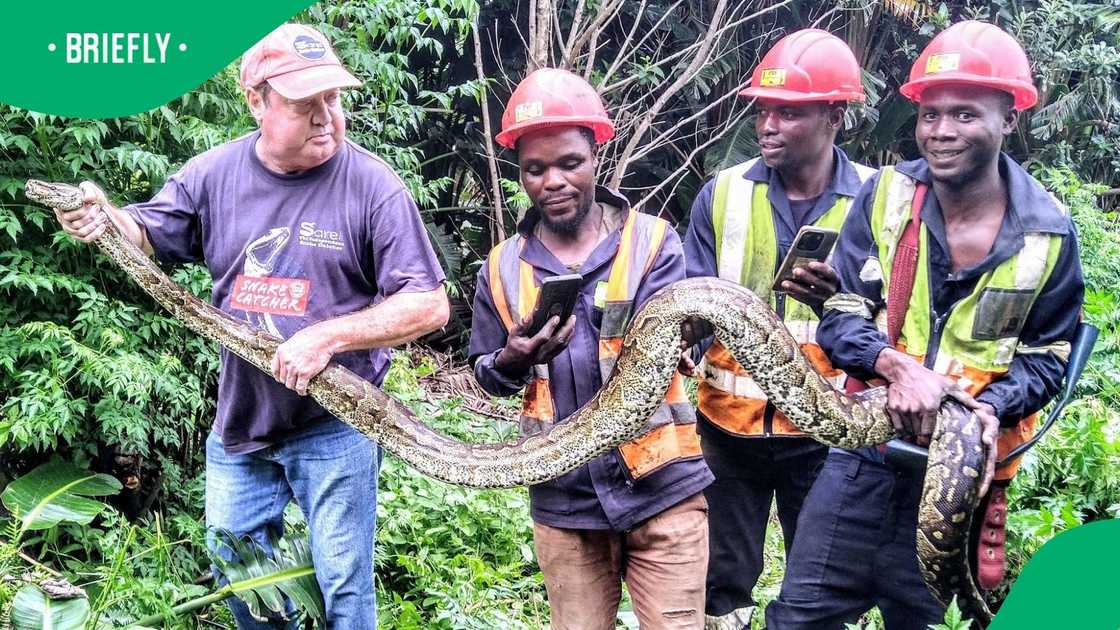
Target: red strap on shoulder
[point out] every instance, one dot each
(903, 270)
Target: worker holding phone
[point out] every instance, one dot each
(637, 512)
(788, 203)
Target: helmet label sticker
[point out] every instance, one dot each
(773, 77)
(943, 63)
(529, 110)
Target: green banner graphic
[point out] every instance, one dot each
(105, 60)
(1070, 583)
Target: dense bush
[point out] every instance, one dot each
(452, 557)
(1073, 475)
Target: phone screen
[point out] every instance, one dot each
(811, 244)
(557, 297)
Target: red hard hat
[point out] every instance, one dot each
(974, 53)
(808, 65)
(551, 97)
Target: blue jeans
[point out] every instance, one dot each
(855, 548)
(331, 471)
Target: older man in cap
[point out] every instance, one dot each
(316, 240)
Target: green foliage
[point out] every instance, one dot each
(54, 493)
(90, 367)
(452, 557)
(1073, 475)
(953, 619)
(1073, 48)
(51, 494)
(33, 610)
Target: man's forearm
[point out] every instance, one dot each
(891, 364)
(130, 229)
(852, 342)
(496, 382)
(401, 318)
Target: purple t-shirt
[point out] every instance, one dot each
(284, 252)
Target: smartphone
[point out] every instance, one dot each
(557, 296)
(811, 243)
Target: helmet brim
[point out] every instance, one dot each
(601, 127)
(1025, 94)
(792, 96)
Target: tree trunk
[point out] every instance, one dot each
(540, 33)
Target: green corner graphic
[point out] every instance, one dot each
(105, 60)
(1072, 582)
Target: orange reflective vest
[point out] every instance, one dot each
(747, 253)
(671, 433)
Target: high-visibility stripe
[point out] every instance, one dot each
(1060, 349)
(664, 444)
(497, 289)
(514, 280)
(654, 245)
(527, 289)
(616, 282)
(731, 234)
(1032, 261)
(851, 303)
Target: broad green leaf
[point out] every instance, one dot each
(262, 580)
(33, 610)
(56, 492)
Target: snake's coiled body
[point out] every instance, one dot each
(745, 325)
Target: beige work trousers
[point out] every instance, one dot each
(664, 561)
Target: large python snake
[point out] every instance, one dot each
(746, 326)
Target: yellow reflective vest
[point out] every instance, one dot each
(975, 342)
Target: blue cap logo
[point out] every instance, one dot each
(309, 48)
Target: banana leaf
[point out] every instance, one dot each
(262, 580)
(33, 610)
(259, 579)
(56, 492)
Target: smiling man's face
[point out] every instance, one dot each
(298, 134)
(960, 129)
(558, 172)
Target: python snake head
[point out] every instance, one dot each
(61, 196)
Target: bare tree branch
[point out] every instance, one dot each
(498, 230)
(543, 53)
(712, 35)
(657, 141)
(607, 11)
(673, 177)
(532, 31)
(682, 80)
(576, 19)
(540, 33)
(623, 49)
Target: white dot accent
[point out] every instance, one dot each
(182, 48)
(51, 47)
